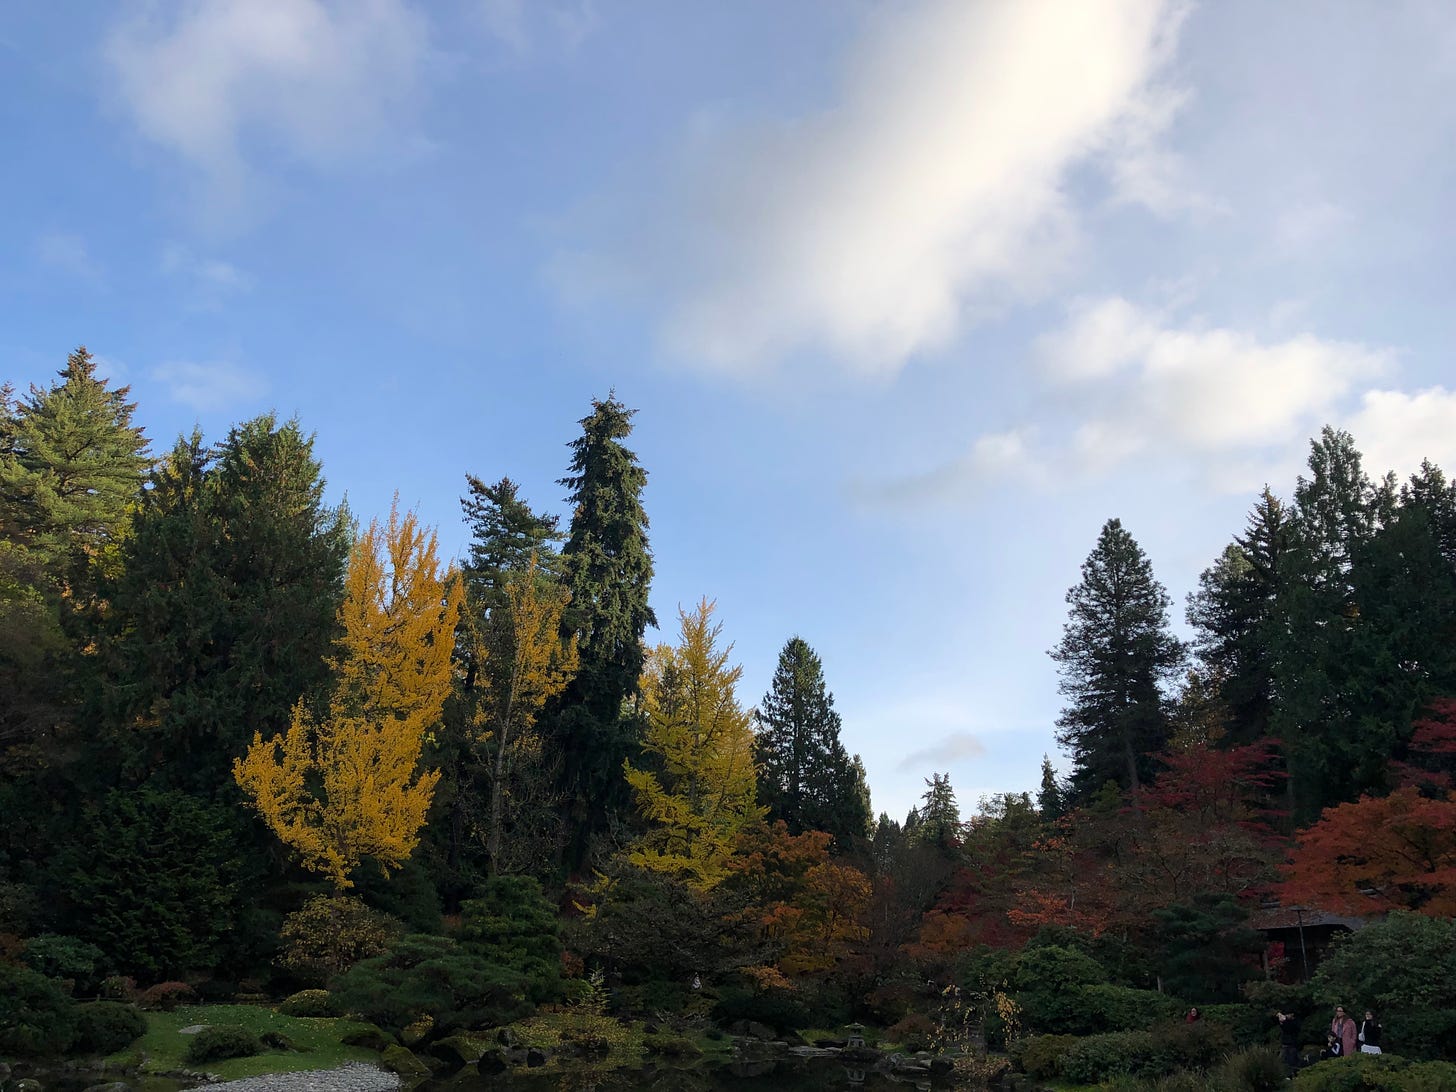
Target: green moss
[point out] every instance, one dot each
(317, 1041)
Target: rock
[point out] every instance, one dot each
(4, 1071)
(29, 1084)
(456, 1051)
(493, 1061)
(535, 1057)
(398, 1059)
(412, 1035)
(368, 1037)
(276, 1040)
(507, 1038)
(940, 1065)
(193, 1030)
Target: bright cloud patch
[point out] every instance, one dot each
(208, 387)
(315, 79)
(944, 752)
(1396, 431)
(934, 187)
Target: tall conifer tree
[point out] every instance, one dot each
(1115, 654)
(608, 569)
(806, 777)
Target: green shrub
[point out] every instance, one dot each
(213, 1044)
(1097, 1058)
(435, 977)
(118, 987)
(659, 996)
(104, 1027)
(1386, 1072)
(1040, 1056)
(775, 1008)
(671, 1046)
(330, 934)
(1249, 1024)
(513, 925)
(1194, 1046)
(1256, 1069)
(1045, 983)
(1121, 1008)
(65, 958)
(308, 1003)
(36, 1016)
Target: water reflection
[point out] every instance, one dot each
(817, 1075)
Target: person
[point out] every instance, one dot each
(1343, 1028)
(1289, 1041)
(1193, 1016)
(1332, 1046)
(1369, 1034)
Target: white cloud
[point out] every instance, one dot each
(1395, 430)
(1196, 389)
(934, 188)
(69, 254)
(211, 386)
(944, 752)
(1308, 224)
(520, 25)
(316, 79)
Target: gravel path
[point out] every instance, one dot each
(354, 1077)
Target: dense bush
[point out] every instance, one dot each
(1045, 982)
(168, 995)
(1206, 949)
(331, 933)
(1405, 969)
(1121, 1008)
(1387, 1072)
(435, 977)
(777, 1009)
(513, 925)
(65, 958)
(36, 1016)
(1249, 1023)
(156, 884)
(308, 1003)
(104, 1027)
(223, 1041)
(1194, 1046)
(649, 926)
(1040, 1056)
(1095, 1058)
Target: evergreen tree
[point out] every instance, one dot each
(939, 816)
(71, 469)
(505, 535)
(1049, 798)
(806, 778)
(224, 606)
(608, 569)
(1116, 651)
(1234, 614)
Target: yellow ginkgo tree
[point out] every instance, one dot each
(698, 790)
(345, 785)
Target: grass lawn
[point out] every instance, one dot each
(316, 1039)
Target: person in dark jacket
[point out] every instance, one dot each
(1193, 1016)
(1369, 1034)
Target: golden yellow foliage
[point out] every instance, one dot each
(705, 793)
(345, 786)
(523, 662)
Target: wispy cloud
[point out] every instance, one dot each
(210, 386)
(933, 189)
(212, 278)
(944, 752)
(318, 80)
(522, 27)
(68, 254)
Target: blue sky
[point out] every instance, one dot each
(910, 296)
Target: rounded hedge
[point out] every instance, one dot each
(223, 1041)
(104, 1027)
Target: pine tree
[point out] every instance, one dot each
(608, 569)
(346, 785)
(698, 794)
(1049, 799)
(223, 609)
(806, 778)
(939, 816)
(1116, 652)
(71, 469)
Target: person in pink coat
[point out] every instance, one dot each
(1345, 1030)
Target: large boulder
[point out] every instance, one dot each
(398, 1059)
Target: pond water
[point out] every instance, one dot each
(817, 1075)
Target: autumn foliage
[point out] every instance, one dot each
(344, 785)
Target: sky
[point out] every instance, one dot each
(910, 296)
